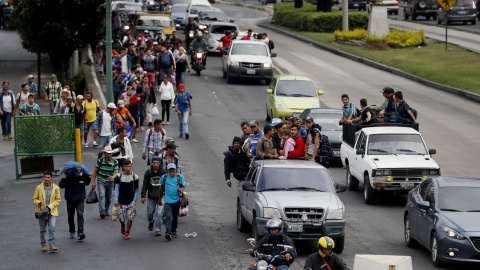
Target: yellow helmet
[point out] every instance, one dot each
(325, 243)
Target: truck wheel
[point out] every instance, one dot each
(255, 229)
(368, 191)
(408, 233)
(242, 224)
(224, 74)
(352, 182)
(229, 78)
(268, 81)
(339, 244)
(268, 117)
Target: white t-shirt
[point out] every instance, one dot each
(7, 104)
(166, 91)
(106, 125)
(124, 65)
(23, 98)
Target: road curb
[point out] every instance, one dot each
(445, 88)
(91, 77)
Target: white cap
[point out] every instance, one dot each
(30, 76)
(111, 105)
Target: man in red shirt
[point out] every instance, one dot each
(299, 151)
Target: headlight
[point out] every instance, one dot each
(202, 27)
(152, 3)
(267, 65)
(190, 35)
(452, 233)
(335, 214)
(127, 27)
(269, 212)
(279, 106)
(422, 4)
(233, 63)
(177, 25)
(174, 18)
(199, 55)
(381, 172)
(434, 172)
(315, 105)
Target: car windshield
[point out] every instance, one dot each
(249, 49)
(328, 121)
(396, 144)
(463, 199)
(220, 29)
(150, 33)
(179, 9)
(182, 2)
(197, 8)
(464, 3)
(214, 16)
(295, 88)
(159, 21)
(295, 178)
(130, 6)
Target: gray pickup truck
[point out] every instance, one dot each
(300, 193)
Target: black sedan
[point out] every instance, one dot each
(328, 119)
(443, 215)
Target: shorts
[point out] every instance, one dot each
(126, 212)
(90, 124)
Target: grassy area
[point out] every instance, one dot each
(457, 67)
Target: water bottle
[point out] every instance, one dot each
(114, 214)
(191, 235)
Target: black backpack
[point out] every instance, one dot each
(119, 79)
(271, 44)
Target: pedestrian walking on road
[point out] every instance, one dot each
(62, 101)
(74, 185)
(7, 105)
(173, 185)
(166, 63)
(167, 95)
(170, 156)
(149, 194)
(30, 108)
(155, 139)
(91, 109)
(47, 198)
(22, 97)
(106, 170)
(79, 112)
(181, 61)
(149, 65)
(32, 87)
(150, 99)
(52, 92)
(122, 150)
(105, 126)
(183, 107)
(236, 162)
(126, 194)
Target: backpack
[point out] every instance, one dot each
(414, 112)
(30, 110)
(271, 45)
(324, 151)
(165, 59)
(119, 79)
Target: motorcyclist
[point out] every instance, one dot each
(325, 258)
(199, 43)
(274, 244)
(191, 26)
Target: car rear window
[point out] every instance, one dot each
(295, 178)
(159, 21)
(295, 88)
(462, 199)
(220, 29)
(464, 3)
(249, 49)
(328, 121)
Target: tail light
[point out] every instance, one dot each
(395, 5)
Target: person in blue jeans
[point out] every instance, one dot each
(173, 185)
(7, 105)
(149, 194)
(105, 126)
(183, 107)
(105, 171)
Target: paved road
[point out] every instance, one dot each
(447, 122)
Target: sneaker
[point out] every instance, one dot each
(85, 145)
(95, 144)
(181, 136)
(102, 215)
(168, 237)
(150, 226)
(158, 233)
(10, 137)
(5, 136)
(167, 123)
(81, 236)
(122, 230)
(187, 136)
(44, 249)
(142, 129)
(127, 236)
(53, 248)
(134, 140)
(72, 235)
(107, 214)
(175, 235)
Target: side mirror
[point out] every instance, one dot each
(424, 205)
(320, 93)
(273, 55)
(360, 152)
(232, 20)
(269, 91)
(432, 151)
(339, 188)
(248, 186)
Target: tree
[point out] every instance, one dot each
(59, 27)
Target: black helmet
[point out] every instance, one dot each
(228, 33)
(325, 243)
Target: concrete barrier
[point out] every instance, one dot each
(382, 262)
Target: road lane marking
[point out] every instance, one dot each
(213, 92)
(278, 70)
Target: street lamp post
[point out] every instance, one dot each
(108, 62)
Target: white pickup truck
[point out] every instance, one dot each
(390, 159)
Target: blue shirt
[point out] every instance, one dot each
(253, 142)
(32, 87)
(348, 110)
(48, 194)
(403, 116)
(171, 188)
(183, 102)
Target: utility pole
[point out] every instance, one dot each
(108, 63)
(345, 15)
(39, 85)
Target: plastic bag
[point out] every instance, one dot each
(114, 213)
(70, 165)
(155, 111)
(172, 78)
(92, 197)
(183, 211)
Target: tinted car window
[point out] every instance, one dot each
(195, 9)
(213, 16)
(393, 144)
(422, 190)
(459, 198)
(249, 49)
(431, 195)
(295, 88)
(464, 3)
(130, 6)
(328, 121)
(179, 8)
(220, 29)
(157, 21)
(292, 178)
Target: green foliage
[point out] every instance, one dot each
(308, 19)
(397, 38)
(375, 39)
(356, 34)
(59, 27)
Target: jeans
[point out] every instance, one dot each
(71, 208)
(280, 267)
(81, 127)
(116, 95)
(6, 123)
(152, 208)
(183, 119)
(102, 142)
(44, 221)
(142, 115)
(180, 78)
(166, 108)
(165, 72)
(89, 125)
(52, 103)
(104, 195)
(171, 211)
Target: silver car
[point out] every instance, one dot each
(301, 193)
(215, 31)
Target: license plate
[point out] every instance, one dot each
(250, 71)
(462, 12)
(406, 185)
(355, 5)
(295, 227)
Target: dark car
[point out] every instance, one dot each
(443, 215)
(354, 4)
(462, 11)
(214, 15)
(179, 16)
(415, 8)
(328, 119)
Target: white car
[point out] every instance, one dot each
(392, 6)
(216, 30)
(247, 59)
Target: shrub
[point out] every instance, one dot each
(402, 38)
(350, 35)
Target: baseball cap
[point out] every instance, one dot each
(309, 119)
(181, 86)
(146, 31)
(171, 166)
(275, 121)
(387, 90)
(121, 103)
(156, 158)
(78, 170)
(111, 105)
(253, 123)
(155, 43)
(5, 87)
(69, 98)
(139, 39)
(53, 76)
(30, 76)
(171, 146)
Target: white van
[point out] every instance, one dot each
(196, 6)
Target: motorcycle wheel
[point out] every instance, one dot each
(198, 72)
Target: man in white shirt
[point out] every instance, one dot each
(122, 150)
(105, 126)
(22, 97)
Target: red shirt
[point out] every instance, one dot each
(299, 151)
(226, 41)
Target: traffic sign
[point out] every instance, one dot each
(446, 4)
